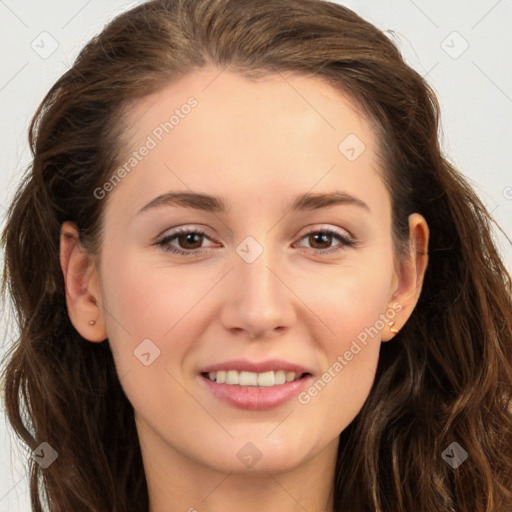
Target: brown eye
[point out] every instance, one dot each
(189, 241)
(186, 241)
(321, 241)
(320, 238)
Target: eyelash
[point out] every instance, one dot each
(164, 242)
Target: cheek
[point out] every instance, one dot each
(149, 303)
(353, 309)
(352, 302)
(154, 302)
(349, 363)
(150, 300)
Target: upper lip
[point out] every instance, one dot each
(244, 365)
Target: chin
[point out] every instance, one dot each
(261, 456)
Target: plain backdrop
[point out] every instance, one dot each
(462, 47)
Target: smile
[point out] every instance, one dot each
(256, 386)
(244, 378)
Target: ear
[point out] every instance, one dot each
(82, 286)
(409, 276)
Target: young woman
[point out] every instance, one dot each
(247, 279)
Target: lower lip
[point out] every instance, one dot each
(255, 398)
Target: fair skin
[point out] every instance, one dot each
(258, 145)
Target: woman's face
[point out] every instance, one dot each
(260, 295)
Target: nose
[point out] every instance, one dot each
(259, 302)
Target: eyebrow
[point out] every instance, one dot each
(216, 204)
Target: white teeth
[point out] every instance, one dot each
(280, 377)
(232, 377)
(248, 379)
(265, 379)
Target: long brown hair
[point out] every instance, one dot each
(446, 377)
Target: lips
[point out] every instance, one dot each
(255, 385)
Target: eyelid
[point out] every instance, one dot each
(185, 228)
(315, 228)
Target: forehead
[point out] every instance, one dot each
(226, 99)
(215, 130)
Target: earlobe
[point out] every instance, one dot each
(81, 284)
(410, 275)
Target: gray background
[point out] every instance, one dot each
(462, 47)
